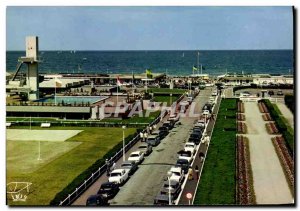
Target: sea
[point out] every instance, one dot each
(178, 63)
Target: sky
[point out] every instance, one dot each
(150, 28)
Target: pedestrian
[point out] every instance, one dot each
(190, 174)
(201, 156)
(107, 167)
(197, 171)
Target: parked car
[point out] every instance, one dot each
(190, 146)
(164, 130)
(183, 164)
(190, 99)
(214, 93)
(108, 190)
(168, 124)
(132, 166)
(153, 140)
(119, 176)
(280, 93)
(145, 148)
(195, 138)
(200, 123)
(175, 189)
(136, 157)
(177, 174)
(270, 92)
(160, 133)
(206, 113)
(174, 117)
(96, 200)
(161, 199)
(187, 155)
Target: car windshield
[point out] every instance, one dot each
(151, 139)
(126, 164)
(189, 145)
(134, 155)
(115, 174)
(176, 173)
(181, 161)
(142, 147)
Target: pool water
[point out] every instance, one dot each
(72, 100)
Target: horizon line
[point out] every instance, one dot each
(279, 49)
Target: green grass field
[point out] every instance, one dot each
(167, 90)
(163, 99)
(217, 184)
(61, 161)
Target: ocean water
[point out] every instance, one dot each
(170, 62)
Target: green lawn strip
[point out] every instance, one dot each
(217, 185)
(282, 125)
(167, 90)
(54, 176)
(277, 109)
(163, 99)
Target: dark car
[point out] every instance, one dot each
(161, 199)
(145, 148)
(175, 189)
(108, 190)
(197, 130)
(271, 92)
(168, 124)
(195, 137)
(207, 106)
(132, 166)
(153, 140)
(161, 134)
(164, 130)
(184, 164)
(96, 200)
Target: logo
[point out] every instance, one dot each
(18, 191)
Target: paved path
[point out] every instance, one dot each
(286, 112)
(270, 185)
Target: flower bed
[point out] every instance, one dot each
(286, 161)
(245, 190)
(241, 127)
(267, 117)
(262, 107)
(271, 128)
(241, 108)
(241, 117)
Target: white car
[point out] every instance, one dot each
(186, 155)
(137, 157)
(174, 117)
(214, 93)
(206, 113)
(119, 176)
(200, 123)
(177, 174)
(190, 146)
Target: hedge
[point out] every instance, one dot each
(281, 125)
(88, 172)
(290, 102)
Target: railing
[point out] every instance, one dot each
(88, 182)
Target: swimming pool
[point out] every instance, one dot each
(72, 99)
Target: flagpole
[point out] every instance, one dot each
(198, 63)
(55, 91)
(117, 93)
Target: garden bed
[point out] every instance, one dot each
(271, 128)
(267, 117)
(286, 161)
(245, 189)
(262, 107)
(241, 127)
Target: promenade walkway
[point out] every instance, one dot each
(270, 185)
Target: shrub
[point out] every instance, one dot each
(290, 102)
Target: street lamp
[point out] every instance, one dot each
(123, 127)
(169, 179)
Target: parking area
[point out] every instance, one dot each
(146, 182)
(278, 93)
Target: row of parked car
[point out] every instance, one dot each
(179, 171)
(119, 176)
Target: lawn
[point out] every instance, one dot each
(58, 169)
(167, 90)
(163, 99)
(217, 185)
